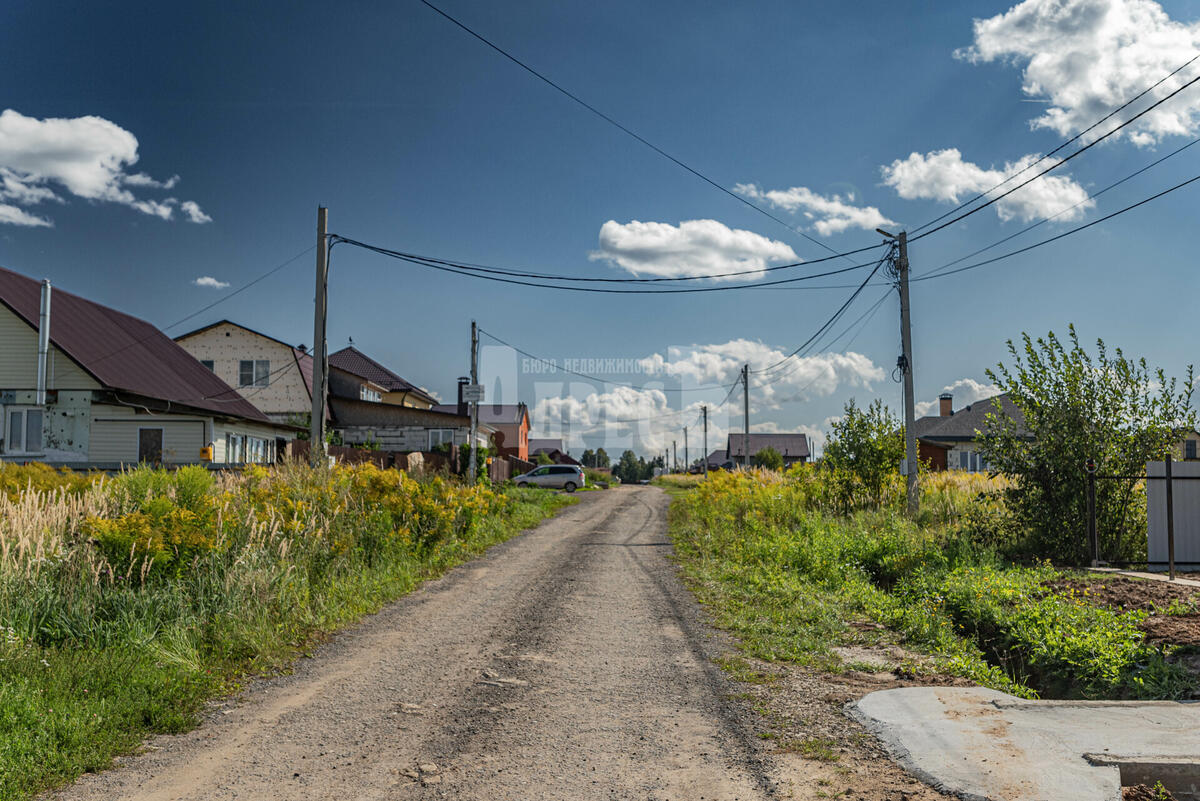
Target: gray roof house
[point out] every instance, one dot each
(792, 447)
(949, 440)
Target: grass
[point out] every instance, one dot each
(126, 604)
(791, 579)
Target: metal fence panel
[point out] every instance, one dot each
(1186, 503)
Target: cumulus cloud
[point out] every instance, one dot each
(965, 391)
(86, 156)
(943, 175)
(193, 212)
(16, 216)
(210, 283)
(694, 247)
(829, 215)
(1086, 57)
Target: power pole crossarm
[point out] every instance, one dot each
(320, 355)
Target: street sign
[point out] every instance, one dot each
(473, 393)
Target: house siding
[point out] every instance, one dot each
(114, 435)
(19, 358)
(398, 438)
(225, 345)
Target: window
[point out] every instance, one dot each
(438, 436)
(368, 394)
(541, 471)
(254, 372)
(23, 434)
(1189, 449)
(209, 364)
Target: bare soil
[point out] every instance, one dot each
(1182, 627)
(568, 663)
(1143, 793)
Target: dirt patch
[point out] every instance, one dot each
(1127, 594)
(1173, 629)
(1144, 793)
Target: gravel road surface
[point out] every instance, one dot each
(568, 663)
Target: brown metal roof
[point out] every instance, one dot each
(354, 361)
(122, 352)
(792, 446)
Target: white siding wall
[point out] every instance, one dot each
(18, 359)
(114, 435)
(398, 438)
(245, 430)
(226, 345)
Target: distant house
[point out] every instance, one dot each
(390, 387)
(270, 373)
(950, 440)
(118, 391)
(553, 449)
(509, 421)
(401, 428)
(717, 458)
(792, 447)
(1188, 447)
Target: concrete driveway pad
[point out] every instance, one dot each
(983, 744)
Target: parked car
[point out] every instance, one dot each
(564, 476)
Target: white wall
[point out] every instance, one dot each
(226, 345)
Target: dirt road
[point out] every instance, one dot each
(568, 663)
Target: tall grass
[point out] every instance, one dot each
(124, 603)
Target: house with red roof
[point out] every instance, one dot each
(108, 389)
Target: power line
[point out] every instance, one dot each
(1058, 164)
(625, 129)
(1064, 234)
(1072, 140)
(504, 280)
(525, 273)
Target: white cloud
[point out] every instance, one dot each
(694, 247)
(965, 391)
(193, 212)
(436, 396)
(829, 215)
(1087, 57)
(15, 216)
(87, 156)
(211, 283)
(943, 175)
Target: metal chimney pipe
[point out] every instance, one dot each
(43, 343)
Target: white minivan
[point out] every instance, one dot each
(566, 476)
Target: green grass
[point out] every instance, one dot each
(790, 582)
(90, 668)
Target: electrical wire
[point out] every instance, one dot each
(1070, 141)
(627, 130)
(1057, 164)
(688, 290)
(1064, 234)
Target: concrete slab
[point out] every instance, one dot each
(985, 745)
(1149, 576)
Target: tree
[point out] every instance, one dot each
(768, 458)
(628, 469)
(589, 458)
(1074, 407)
(542, 458)
(602, 459)
(864, 450)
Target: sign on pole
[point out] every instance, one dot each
(473, 393)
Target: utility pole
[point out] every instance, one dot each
(746, 415)
(472, 468)
(674, 457)
(906, 367)
(320, 355)
(704, 456)
(687, 465)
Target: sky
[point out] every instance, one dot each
(157, 157)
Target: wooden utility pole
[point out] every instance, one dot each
(687, 465)
(746, 415)
(910, 429)
(674, 457)
(472, 468)
(320, 355)
(704, 456)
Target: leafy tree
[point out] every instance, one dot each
(1109, 408)
(628, 469)
(542, 458)
(589, 458)
(863, 453)
(768, 458)
(602, 459)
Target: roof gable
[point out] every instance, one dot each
(968, 422)
(123, 352)
(355, 362)
(792, 446)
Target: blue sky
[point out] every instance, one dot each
(420, 138)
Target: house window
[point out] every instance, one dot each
(23, 434)
(209, 364)
(438, 436)
(368, 394)
(254, 372)
(1189, 449)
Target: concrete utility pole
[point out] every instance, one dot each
(906, 367)
(674, 457)
(746, 415)
(320, 355)
(472, 468)
(687, 465)
(704, 456)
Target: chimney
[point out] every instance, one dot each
(302, 348)
(462, 404)
(43, 343)
(945, 404)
